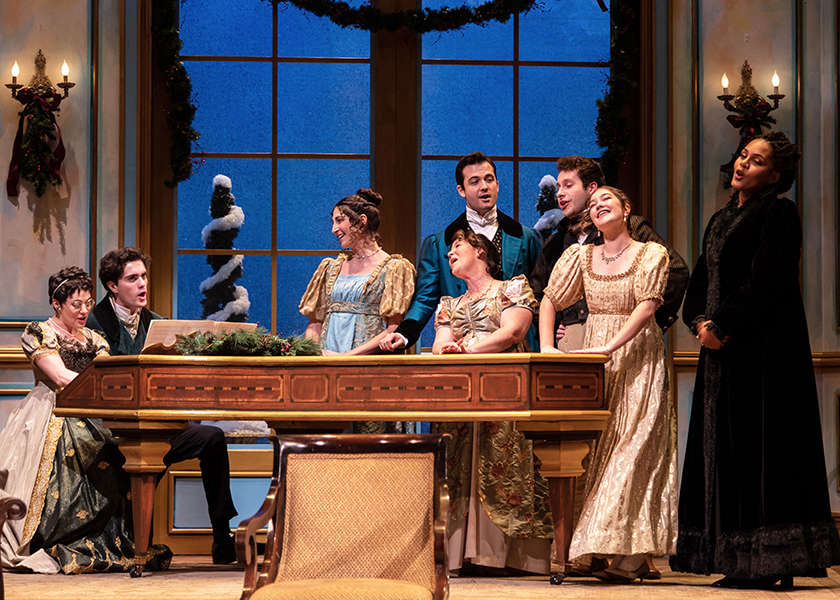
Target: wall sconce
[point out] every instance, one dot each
(752, 111)
(38, 149)
(40, 83)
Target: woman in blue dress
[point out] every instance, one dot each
(359, 297)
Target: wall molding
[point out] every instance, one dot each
(823, 361)
(13, 358)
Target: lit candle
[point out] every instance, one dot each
(775, 82)
(15, 73)
(724, 81)
(65, 70)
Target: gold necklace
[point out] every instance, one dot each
(482, 295)
(614, 257)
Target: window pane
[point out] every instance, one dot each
(324, 108)
(467, 108)
(530, 174)
(228, 96)
(494, 41)
(557, 110)
(221, 27)
(256, 278)
(307, 191)
(251, 187)
(293, 275)
(301, 33)
(575, 30)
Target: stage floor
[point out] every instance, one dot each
(195, 577)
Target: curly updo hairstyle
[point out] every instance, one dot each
(67, 282)
(363, 202)
(785, 158)
(486, 251)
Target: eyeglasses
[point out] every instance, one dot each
(78, 304)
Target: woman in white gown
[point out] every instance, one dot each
(630, 505)
(67, 470)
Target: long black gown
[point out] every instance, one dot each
(754, 495)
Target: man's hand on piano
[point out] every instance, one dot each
(549, 350)
(326, 352)
(391, 342)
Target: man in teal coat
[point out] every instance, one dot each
(519, 247)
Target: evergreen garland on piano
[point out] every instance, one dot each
(245, 343)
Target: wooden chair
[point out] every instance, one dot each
(10, 508)
(351, 516)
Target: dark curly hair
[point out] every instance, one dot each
(112, 265)
(476, 158)
(487, 251)
(363, 202)
(785, 157)
(67, 282)
(587, 169)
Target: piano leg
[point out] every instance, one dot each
(144, 448)
(562, 492)
(561, 465)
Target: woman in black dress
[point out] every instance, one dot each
(754, 497)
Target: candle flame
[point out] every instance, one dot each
(775, 79)
(65, 70)
(15, 70)
(724, 81)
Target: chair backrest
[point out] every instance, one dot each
(10, 508)
(360, 507)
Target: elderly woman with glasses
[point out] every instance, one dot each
(68, 469)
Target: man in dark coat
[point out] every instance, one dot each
(475, 175)
(577, 180)
(123, 319)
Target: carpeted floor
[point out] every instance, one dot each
(194, 578)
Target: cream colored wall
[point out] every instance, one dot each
(764, 33)
(38, 236)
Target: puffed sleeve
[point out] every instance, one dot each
(517, 292)
(38, 340)
(399, 287)
(652, 274)
(565, 286)
(443, 314)
(99, 342)
(313, 304)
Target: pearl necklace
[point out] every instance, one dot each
(360, 256)
(472, 298)
(72, 336)
(609, 259)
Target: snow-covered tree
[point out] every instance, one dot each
(223, 300)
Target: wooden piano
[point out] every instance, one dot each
(556, 399)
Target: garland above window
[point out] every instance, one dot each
(372, 19)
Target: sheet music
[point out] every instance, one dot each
(164, 332)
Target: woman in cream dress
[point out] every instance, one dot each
(630, 505)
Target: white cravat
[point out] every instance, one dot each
(130, 321)
(486, 225)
